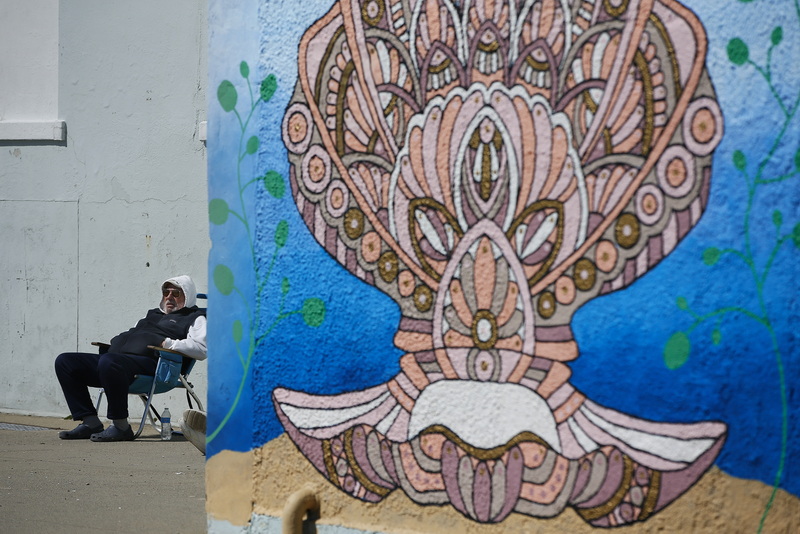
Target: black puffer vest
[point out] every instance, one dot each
(152, 330)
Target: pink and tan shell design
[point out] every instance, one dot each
(492, 166)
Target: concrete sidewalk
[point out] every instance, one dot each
(51, 485)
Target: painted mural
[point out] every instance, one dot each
(251, 331)
(507, 257)
(492, 166)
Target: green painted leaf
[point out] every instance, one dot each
(682, 303)
(268, 87)
(716, 336)
(777, 218)
(797, 159)
(738, 52)
(313, 312)
(796, 235)
(777, 36)
(223, 279)
(711, 255)
(244, 68)
(227, 96)
(739, 160)
(238, 331)
(285, 286)
(218, 211)
(252, 145)
(676, 351)
(281, 233)
(274, 184)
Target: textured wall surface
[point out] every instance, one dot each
(91, 226)
(509, 260)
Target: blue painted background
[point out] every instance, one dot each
(621, 336)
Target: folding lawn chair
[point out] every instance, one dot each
(172, 371)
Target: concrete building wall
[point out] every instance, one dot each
(94, 220)
(504, 266)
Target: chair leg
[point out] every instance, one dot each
(99, 398)
(190, 390)
(144, 416)
(155, 421)
(155, 418)
(147, 400)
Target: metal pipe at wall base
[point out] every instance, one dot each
(297, 505)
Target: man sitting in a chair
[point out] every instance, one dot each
(177, 324)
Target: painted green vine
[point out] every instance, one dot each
(220, 212)
(678, 347)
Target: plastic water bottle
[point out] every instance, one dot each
(166, 425)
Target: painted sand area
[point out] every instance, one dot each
(717, 503)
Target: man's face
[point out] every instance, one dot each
(172, 298)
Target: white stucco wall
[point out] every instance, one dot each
(90, 227)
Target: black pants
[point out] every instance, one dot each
(77, 371)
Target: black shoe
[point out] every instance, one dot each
(80, 432)
(113, 433)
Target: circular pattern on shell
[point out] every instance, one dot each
(341, 467)
(315, 169)
(405, 283)
(675, 171)
(371, 247)
(702, 126)
(372, 11)
(388, 266)
(483, 365)
(354, 223)
(565, 290)
(642, 476)
(605, 256)
(626, 512)
(626, 230)
(297, 128)
(484, 329)
(337, 198)
(615, 8)
(637, 496)
(486, 130)
(649, 204)
(584, 275)
(423, 298)
(546, 306)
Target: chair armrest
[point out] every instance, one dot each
(179, 353)
(102, 346)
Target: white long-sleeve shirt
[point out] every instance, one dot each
(194, 345)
